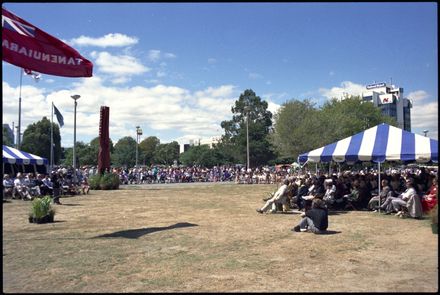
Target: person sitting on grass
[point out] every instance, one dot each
(48, 189)
(303, 191)
(393, 204)
(85, 186)
(408, 202)
(429, 200)
(280, 197)
(8, 186)
(21, 188)
(352, 198)
(386, 192)
(330, 190)
(314, 220)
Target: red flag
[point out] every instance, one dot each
(27, 46)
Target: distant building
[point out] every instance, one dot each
(210, 141)
(389, 99)
(9, 133)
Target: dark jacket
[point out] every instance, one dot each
(319, 217)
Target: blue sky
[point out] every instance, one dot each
(176, 69)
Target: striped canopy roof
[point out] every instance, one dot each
(14, 156)
(377, 144)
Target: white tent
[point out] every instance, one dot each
(14, 156)
(377, 144)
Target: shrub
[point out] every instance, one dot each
(94, 181)
(41, 208)
(106, 181)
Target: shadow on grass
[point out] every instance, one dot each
(330, 232)
(337, 212)
(136, 233)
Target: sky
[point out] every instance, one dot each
(176, 69)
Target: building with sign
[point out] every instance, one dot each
(391, 102)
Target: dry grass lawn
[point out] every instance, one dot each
(208, 238)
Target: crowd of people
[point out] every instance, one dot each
(170, 174)
(405, 193)
(60, 181)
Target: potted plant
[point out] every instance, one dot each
(434, 219)
(41, 210)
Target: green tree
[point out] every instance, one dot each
(7, 138)
(350, 116)
(124, 153)
(300, 127)
(167, 153)
(147, 148)
(201, 155)
(82, 151)
(249, 112)
(36, 140)
(286, 136)
(86, 154)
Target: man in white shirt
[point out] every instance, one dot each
(21, 188)
(280, 197)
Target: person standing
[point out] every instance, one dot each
(56, 187)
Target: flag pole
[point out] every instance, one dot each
(51, 139)
(19, 112)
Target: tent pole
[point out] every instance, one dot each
(378, 184)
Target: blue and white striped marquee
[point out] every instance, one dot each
(377, 144)
(14, 156)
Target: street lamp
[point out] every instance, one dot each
(75, 98)
(247, 109)
(426, 132)
(138, 134)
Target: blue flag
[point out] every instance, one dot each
(59, 116)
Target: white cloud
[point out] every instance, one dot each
(255, 76)
(118, 64)
(418, 96)
(156, 55)
(347, 88)
(424, 113)
(109, 40)
(273, 107)
(160, 108)
(212, 61)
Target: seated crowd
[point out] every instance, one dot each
(169, 174)
(405, 193)
(27, 186)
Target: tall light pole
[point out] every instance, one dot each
(246, 109)
(19, 113)
(138, 134)
(75, 98)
